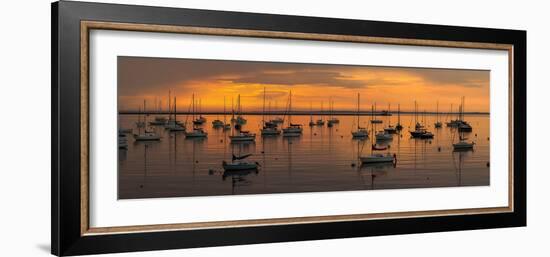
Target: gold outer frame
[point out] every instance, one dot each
(86, 26)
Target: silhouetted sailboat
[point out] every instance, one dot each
(373, 113)
(291, 130)
(320, 121)
(332, 120)
(390, 129)
(173, 124)
(437, 123)
(147, 135)
(359, 132)
(269, 128)
(398, 126)
(375, 157)
(420, 131)
(197, 132)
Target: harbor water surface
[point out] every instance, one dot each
(321, 159)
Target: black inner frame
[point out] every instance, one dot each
(65, 167)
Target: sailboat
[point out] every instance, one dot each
(419, 130)
(320, 121)
(390, 129)
(242, 136)
(161, 120)
(200, 120)
(217, 123)
(333, 120)
(122, 141)
(226, 126)
(197, 132)
(464, 126)
(147, 135)
(139, 122)
(373, 113)
(173, 124)
(455, 123)
(398, 126)
(375, 157)
(292, 130)
(311, 122)
(462, 145)
(239, 163)
(437, 123)
(359, 132)
(269, 128)
(239, 120)
(277, 120)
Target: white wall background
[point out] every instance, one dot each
(25, 127)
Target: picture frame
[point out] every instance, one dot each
(71, 26)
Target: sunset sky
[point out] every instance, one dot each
(147, 78)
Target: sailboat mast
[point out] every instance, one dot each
(358, 103)
(290, 108)
(169, 103)
(415, 113)
(145, 111)
(322, 111)
(437, 111)
(224, 111)
(139, 119)
(399, 114)
(263, 111)
(389, 117)
(175, 111)
(232, 108)
(193, 100)
(310, 111)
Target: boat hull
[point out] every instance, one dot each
(242, 139)
(195, 135)
(240, 166)
(146, 137)
(376, 159)
(358, 134)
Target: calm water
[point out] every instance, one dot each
(322, 159)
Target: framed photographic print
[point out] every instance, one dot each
(178, 128)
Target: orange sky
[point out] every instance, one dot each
(142, 78)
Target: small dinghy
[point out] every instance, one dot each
(376, 147)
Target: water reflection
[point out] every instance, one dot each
(321, 159)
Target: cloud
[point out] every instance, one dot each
(301, 77)
(466, 78)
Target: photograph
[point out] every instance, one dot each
(207, 127)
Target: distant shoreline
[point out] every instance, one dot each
(342, 113)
